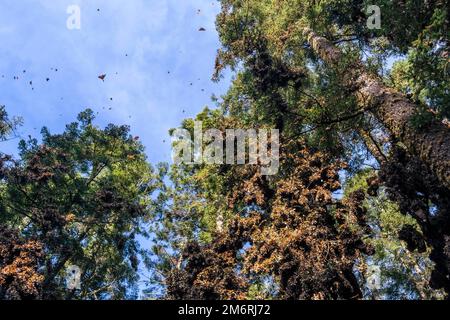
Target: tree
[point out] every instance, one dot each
(335, 94)
(19, 263)
(334, 87)
(8, 125)
(78, 198)
(288, 229)
(393, 110)
(400, 252)
(363, 180)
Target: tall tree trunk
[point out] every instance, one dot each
(373, 146)
(392, 109)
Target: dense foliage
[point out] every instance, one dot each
(364, 177)
(77, 198)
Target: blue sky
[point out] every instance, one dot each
(136, 43)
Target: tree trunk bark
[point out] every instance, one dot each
(392, 109)
(372, 146)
